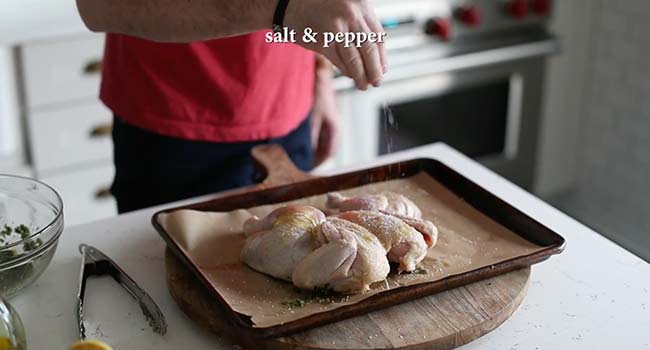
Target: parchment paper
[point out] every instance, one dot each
(468, 240)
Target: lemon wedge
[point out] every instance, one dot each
(6, 344)
(90, 345)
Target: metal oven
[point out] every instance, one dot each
(477, 87)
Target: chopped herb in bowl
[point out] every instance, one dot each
(9, 235)
(12, 279)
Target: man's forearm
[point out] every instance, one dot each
(177, 21)
(197, 20)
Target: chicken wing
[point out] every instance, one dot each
(405, 244)
(389, 202)
(278, 242)
(427, 228)
(349, 259)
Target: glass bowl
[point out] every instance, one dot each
(31, 222)
(12, 333)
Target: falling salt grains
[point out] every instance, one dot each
(390, 123)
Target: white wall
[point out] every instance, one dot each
(565, 97)
(22, 20)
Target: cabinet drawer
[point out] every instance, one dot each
(63, 70)
(70, 136)
(85, 194)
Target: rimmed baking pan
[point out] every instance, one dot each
(285, 183)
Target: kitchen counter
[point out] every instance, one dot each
(595, 295)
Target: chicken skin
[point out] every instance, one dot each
(349, 259)
(278, 242)
(405, 244)
(389, 202)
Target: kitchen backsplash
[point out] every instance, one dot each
(614, 158)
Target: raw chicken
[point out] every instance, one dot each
(405, 244)
(277, 243)
(349, 259)
(390, 202)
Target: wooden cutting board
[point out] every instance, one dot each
(442, 321)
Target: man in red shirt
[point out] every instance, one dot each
(194, 86)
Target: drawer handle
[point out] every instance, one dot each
(101, 130)
(103, 193)
(93, 67)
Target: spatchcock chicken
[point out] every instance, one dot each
(346, 252)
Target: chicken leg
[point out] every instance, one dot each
(427, 228)
(349, 260)
(404, 244)
(278, 242)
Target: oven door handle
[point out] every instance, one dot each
(465, 61)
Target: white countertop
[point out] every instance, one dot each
(595, 295)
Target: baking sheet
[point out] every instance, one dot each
(468, 240)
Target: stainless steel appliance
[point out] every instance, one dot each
(465, 72)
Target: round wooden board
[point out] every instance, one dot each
(442, 321)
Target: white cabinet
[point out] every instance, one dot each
(68, 127)
(71, 136)
(85, 193)
(61, 71)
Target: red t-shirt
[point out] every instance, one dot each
(225, 90)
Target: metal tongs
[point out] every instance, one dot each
(96, 263)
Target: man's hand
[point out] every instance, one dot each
(367, 64)
(325, 115)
